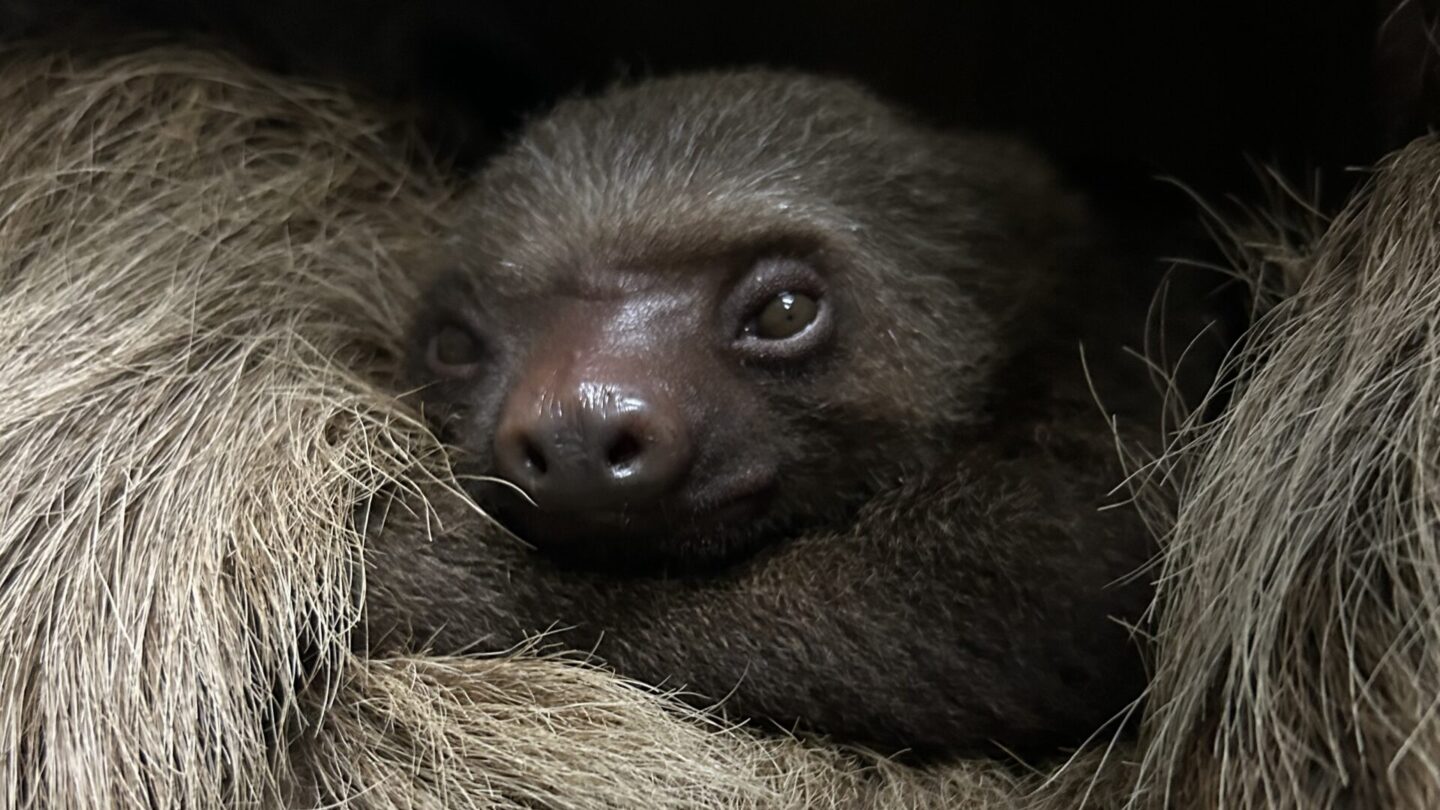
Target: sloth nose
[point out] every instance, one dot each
(598, 448)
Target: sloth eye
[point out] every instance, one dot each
(785, 316)
(454, 351)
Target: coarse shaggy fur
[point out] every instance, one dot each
(1299, 601)
(203, 280)
(203, 275)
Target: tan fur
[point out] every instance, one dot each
(199, 272)
(180, 463)
(1300, 600)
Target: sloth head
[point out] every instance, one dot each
(688, 316)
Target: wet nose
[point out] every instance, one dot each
(600, 447)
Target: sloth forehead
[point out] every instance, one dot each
(673, 171)
(781, 139)
(656, 234)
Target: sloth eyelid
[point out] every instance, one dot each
(794, 285)
(460, 338)
(814, 336)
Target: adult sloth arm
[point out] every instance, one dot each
(956, 613)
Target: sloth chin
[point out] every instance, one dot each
(685, 537)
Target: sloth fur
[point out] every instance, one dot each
(202, 290)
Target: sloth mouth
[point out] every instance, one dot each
(695, 534)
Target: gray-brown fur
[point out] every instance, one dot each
(202, 281)
(936, 572)
(1300, 655)
(262, 255)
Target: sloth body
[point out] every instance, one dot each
(791, 384)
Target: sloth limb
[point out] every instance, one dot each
(957, 611)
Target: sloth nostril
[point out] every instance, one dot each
(623, 451)
(534, 458)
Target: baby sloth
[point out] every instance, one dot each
(783, 388)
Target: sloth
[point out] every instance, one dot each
(780, 388)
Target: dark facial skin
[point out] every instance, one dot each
(641, 409)
(793, 383)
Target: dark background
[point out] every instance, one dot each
(1120, 91)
